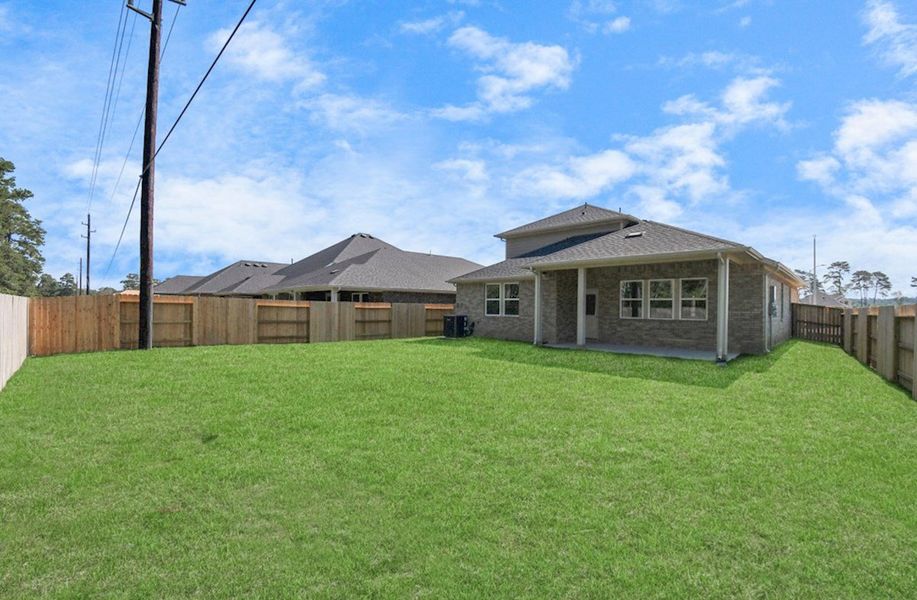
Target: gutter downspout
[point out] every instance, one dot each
(722, 309)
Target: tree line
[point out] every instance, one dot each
(21, 239)
(838, 280)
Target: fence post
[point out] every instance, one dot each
(887, 344)
(862, 350)
(848, 331)
(914, 359)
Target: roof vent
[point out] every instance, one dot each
(634, 234)
(246, 264)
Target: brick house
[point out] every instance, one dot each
(595, 277)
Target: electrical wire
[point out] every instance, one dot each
(106, 105)
(175, 124)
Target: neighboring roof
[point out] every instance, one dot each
(581, 216)
(642, 239)
(516, 268)
(176, 284)
(356, 245)
(385, 268)
(824, 299)
(241, 277)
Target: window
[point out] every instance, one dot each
(772, 300)
(359, 297)
(511, 299)
(662, 299)
(590, 305)
(631, 299)
(492, 299)
(501, 299)
(694, 299)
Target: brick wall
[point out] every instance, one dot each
(746, 314)
(470, 301)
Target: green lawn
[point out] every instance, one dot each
(470, 468)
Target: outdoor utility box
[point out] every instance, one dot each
(455, 326)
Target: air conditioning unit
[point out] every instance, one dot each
(456, 326)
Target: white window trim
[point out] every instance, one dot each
(706, 299)
(502, 299)
(641, 299)
(649, 300)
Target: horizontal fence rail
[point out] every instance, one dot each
(96, 323)
(14, 335)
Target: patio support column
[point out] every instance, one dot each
(538, 335)
(581, 306)
(722, 309)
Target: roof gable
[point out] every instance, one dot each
(580, 216)
(642, 239)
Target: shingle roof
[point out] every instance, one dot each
(356, 245)
(516, 268)
(237, 278)
(177, 284)
(386, 267)
(643, 239)
(360, 262)
(823, 299)
(575, 217)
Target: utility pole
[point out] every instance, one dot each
(88, 237)
(147, 177)
(814, 273)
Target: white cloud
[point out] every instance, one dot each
(431, 25)
(351, 113)
(821, 169)
(581, 176)
(744, 22)
(672, 164)
(474, 171)
(744, 101)
(260, 51)
(229, 215)
(717, 60)
(618, 25)
(872, 170)
(511, 72)
(895, 41)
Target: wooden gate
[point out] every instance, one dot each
(818, 323)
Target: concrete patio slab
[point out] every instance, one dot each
(708, 355)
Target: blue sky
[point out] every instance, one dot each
(434, 125)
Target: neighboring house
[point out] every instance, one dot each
(591, 275)
(824, 299)
(359, 268)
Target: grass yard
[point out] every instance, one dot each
(466, 468)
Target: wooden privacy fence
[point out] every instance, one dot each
(818, 323)
(14, 335)
(885, 339)
(94, 323)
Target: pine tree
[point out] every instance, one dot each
(21, 237)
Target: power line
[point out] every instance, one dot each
(106, 104)
(175, 124)
(130, 147)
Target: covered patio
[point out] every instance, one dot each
(714, 347)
